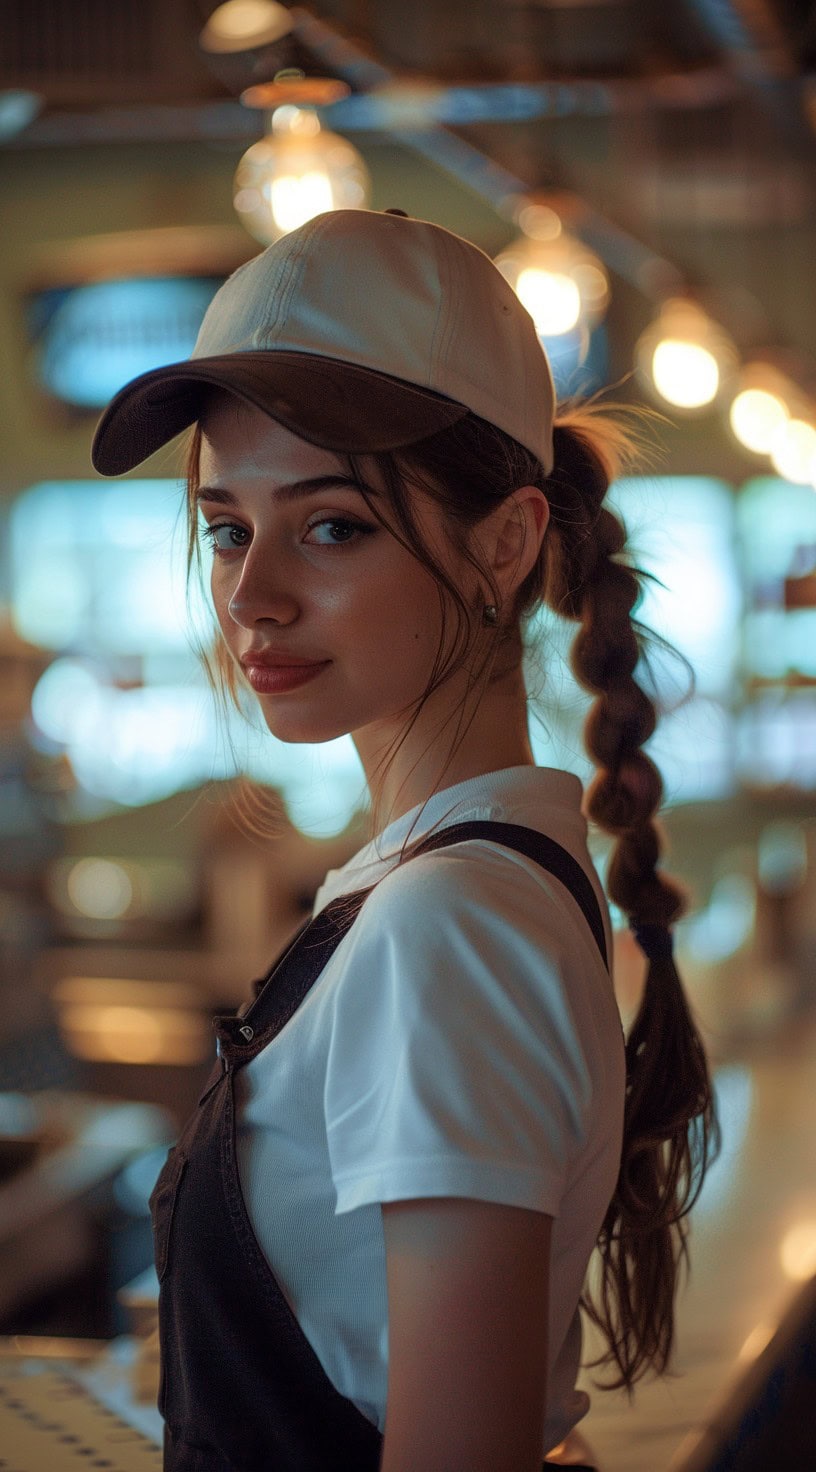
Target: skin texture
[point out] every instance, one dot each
(362, 601)
(468, 1305)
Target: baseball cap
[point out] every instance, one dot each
(360, 330)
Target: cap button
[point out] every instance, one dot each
(397, 212)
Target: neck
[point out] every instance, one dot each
(496, 737)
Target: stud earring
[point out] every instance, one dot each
(490, 614)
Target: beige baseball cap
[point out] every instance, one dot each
(360, 330)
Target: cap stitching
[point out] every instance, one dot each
(444, 317)
(291, 273)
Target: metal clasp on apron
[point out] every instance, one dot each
(233, 1031)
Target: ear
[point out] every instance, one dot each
(512, 534)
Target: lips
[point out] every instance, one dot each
(269, 680)
(279, 662)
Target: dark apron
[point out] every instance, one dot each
(241, 1389)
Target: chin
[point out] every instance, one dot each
(303, 733)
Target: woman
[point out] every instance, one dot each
(372, 1236)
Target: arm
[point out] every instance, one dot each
(468, 1298)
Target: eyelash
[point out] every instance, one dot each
(208, 534)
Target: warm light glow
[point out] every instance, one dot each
(241, 17)
(592, 283)
(553, 300)
(299, 120)
(797, 1252)
(100, 889)
(120, 1034)
(241, 24)
(558, 279)
(756, 417)
(540, 222)
(297, 171)
(685, 373)
(115, 1020)
(295, 199)
(685, 357)
(793, 451)
(98, 991)
(131, 1035)
(752, 1348)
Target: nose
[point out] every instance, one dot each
(260, 593)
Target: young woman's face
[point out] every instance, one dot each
(317, 578)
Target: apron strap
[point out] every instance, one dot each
(545, 851)
(306, 954)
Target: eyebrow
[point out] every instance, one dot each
(293, 491)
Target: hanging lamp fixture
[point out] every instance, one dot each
(299, 168)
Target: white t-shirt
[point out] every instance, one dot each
(462, 1040)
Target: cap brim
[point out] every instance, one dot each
(331, 403)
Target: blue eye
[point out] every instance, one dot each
(339, 524)
(209, 534)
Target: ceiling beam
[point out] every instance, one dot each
(416, 104)
(757, 49)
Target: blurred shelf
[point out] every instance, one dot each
(220, 978)
(793, 680)
(81, 1142)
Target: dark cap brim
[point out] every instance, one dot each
(334, 404)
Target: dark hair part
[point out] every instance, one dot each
(671, 1130)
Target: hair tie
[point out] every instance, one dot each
(656, 941)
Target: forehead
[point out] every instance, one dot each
(244, 440)
(241, 444)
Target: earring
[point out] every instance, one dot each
(490, 614)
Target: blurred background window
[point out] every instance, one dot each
(90, 340)
(681, 529)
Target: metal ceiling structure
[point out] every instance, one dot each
(688, 127)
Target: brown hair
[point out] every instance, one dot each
(671, 1129)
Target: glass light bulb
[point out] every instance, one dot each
(246, 21)
(793, 452)
(540, 222)
(242, 17)
(552, 299)
(685, 373)
(295, 199)
(287, 178)
(756, 417)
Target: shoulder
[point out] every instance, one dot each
(475, 875)
(454, 926)
(484, 888)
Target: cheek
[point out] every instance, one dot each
(400, 611)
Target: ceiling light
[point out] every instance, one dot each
(760, 407)
(684, 357)
(560, 281)
(296, 172)
(756, 417)
(685, 373)
(552, 298)
(793, 452)
(241, 25)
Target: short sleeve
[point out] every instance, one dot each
(455, 1065)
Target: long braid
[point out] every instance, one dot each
(668, 1080)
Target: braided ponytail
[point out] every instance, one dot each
(468, 470)
(668, 1082)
